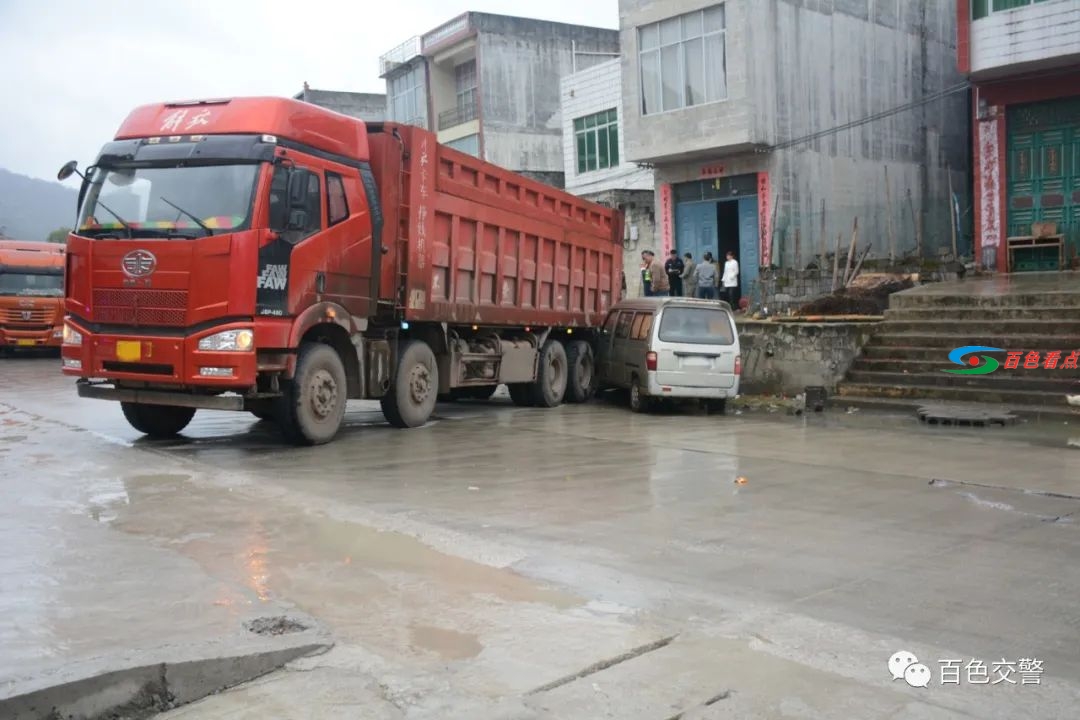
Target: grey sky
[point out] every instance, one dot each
(73, 69)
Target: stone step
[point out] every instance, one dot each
(962, 394)
(933, 361)
(953, 340)
(1005, 312)
(1038, 413)
(989, 327)
(976, 300)
(1062, 384)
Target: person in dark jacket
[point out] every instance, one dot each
(674, 269)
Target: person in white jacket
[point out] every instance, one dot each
(730, 280)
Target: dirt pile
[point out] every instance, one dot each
(867, 296)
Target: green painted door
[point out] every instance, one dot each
(1043, 175)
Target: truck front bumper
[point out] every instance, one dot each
(98, 391)
(16, 338)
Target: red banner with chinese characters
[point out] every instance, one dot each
(764, 204)
(667, 220)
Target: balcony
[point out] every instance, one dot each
(1036, 36)
(399, 56)
(458, 116)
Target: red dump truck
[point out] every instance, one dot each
(31, 294)
(271, 256)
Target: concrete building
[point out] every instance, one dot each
(732, 103)
(594, 158)
(365, 106)
(489, 86)
(1023, 58)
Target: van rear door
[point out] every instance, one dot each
(696, 347)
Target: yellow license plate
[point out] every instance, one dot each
(25, 343)
(129, 350)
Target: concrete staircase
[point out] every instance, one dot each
(903, 361)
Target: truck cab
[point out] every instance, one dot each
(31, 294)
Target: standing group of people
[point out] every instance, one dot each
(686, 278)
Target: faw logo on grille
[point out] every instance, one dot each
(138, 263)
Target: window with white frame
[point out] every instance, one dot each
(682, 61)
(408, 101)
(982, 8)
(465, 85)
(597, 140)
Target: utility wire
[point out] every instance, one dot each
(959, 87)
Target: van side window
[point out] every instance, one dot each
(623, 329)
(609, 323)
(635, 329)
(644, 328)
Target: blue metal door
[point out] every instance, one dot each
(749, 258)
(695, 229)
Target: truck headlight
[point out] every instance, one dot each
(72, 336)
(229, 341)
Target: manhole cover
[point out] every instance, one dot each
(279, 625)
(964, 417)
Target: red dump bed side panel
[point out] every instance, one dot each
(484, 245)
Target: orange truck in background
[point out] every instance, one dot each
(31, 294)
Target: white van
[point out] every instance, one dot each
(670, 348)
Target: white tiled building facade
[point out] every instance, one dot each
(595, 158)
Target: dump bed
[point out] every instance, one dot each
(474, 243)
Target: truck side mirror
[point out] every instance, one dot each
(298, 220)
(298, 188)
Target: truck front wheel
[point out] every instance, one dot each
(549, 388)
(312, 404)
(411, 400)
(157, 421)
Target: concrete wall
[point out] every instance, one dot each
(781, 357)
(586, 92)
(1041, 34)
(365, 106)
(797, 67)
(520, 64)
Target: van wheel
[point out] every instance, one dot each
(549, 388)
(157, 421)
(480, 392)
(411, 399)
(312, 404)
(581, 380)
(521, 394)
(639, 403)
(716, 407)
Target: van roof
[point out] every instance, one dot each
(656, 303)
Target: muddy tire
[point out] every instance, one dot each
(549, 388)
(312, 404)
(639, 401)
(521, 394)
(411, 398)
(157, 421)
(581, 378)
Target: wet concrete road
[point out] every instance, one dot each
(581, 562)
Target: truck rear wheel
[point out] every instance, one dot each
(312, 404)
(411, 398)
(581, 379)
(157, 421)
(549, 388)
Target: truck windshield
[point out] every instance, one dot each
(21, 282)
(175, 201)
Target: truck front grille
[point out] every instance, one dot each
(139, 306)
(16, 317)
(140, 368)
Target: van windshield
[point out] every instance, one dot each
(700, 326)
